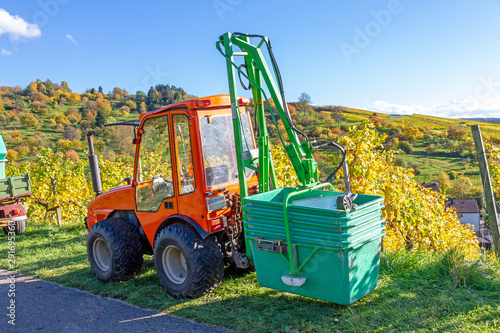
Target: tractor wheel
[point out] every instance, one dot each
(114, 250)
(20, 228)
(187, 265)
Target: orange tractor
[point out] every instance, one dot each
(189, 201)
(182, 203)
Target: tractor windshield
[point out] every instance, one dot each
(219, 151)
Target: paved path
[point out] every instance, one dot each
(42, 306)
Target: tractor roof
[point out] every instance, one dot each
(215, 101)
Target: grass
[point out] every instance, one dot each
(417, 292)
(431, 166)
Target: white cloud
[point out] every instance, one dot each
(68, 36)
(469, 108)
(5, 52)
(16, 27)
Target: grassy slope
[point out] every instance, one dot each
(416, 292)
(431, 166)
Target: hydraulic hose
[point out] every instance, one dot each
(280, 82)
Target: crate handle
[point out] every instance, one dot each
(293, 269)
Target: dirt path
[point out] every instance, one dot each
(42, 306)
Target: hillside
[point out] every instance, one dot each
(47, 114)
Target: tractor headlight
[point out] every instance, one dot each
(217, 202)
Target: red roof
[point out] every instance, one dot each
(468, 205)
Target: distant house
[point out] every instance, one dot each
(433, 186)
(467, 211)
(462, 123)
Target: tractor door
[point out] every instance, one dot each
(191, 198)
(156, 190)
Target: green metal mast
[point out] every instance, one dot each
(300, 153)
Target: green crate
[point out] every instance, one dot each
(336, 252)
(14, 187)
(317, 235)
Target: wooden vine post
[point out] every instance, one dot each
(488, 189)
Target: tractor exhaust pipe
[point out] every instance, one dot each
(95, 173)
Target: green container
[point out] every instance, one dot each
(322, 252)
(340, 276)
(3, 155)
(14, 187)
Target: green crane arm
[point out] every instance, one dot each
(257, 70)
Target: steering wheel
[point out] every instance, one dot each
(187, 179)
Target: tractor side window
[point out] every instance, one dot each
(184, 154)
(155, 171)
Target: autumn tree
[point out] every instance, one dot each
(131, 104)
(74, 98)
(411, 133)
(337, 114)
(65, 86)
(61, 119)
(461, 187)
(456, 133)
(117, 93)
(142, 107)
(28, 120)
(32, 87)
(72, 133)
(443, 181)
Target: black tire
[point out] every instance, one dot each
(202, 264)
(114, 250)
(20, 228)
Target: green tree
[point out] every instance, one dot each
(140, 96)
(100, 118)
(41, 88)
(100, 90)
(49, 86)
(152, 98)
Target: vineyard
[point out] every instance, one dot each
(415, 218)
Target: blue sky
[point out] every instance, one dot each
(432, 57)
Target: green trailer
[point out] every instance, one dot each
(13, 190)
